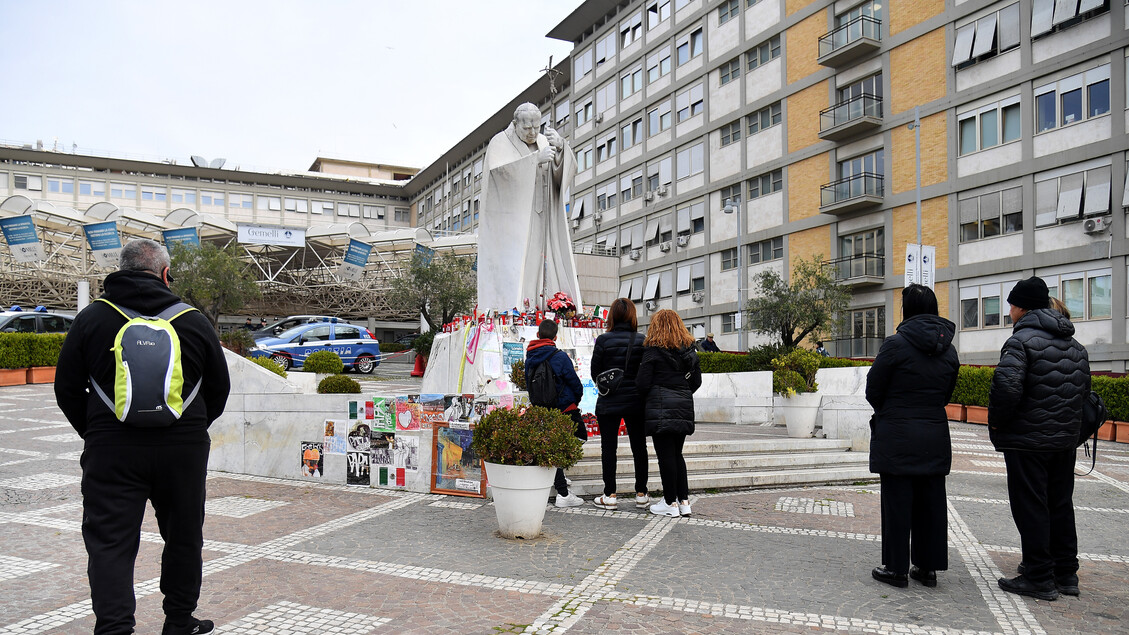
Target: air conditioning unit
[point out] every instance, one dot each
(651, 305)
(698, 296)
(576, 223)
(664, 246)
(649, 196)
(1095, 225)
(600, 118)
(684, 240)
(634, 254)
(597, 217)
(662, 190)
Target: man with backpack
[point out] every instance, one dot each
(140, 377)
(552, 382)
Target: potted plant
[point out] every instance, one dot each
(14, 358)
(793, 380)
(522, 450)
(43, 356)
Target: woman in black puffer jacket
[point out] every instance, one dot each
(912, 379)
(668, 376)
(611, 351)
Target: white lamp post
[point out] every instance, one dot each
(734, 208)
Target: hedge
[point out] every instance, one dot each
(1115, 393)
(973, 385)
(22, 350)
(323, 362)
(392, 347)
(760, 358)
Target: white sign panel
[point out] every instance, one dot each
(267, 235)
(928, 265)
(913, 264)
(921, 267)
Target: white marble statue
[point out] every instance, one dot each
(524, 248)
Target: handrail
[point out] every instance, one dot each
(857, 107)
(856, 29)
(862, 184)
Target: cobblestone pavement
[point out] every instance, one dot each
(299, 557)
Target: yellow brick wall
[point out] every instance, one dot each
(918, 71)
(803, 116)
(802, 46)
(934, 149)
(906, 13)
(804, 179)
(934, 231)
(792, 6)
(808, 243)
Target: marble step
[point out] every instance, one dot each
(736, 446)
(706, 463)
(700, 483)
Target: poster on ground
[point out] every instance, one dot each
(456, 469)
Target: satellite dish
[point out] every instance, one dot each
(199, 161)
(217, 163)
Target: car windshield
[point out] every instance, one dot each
(291, 333)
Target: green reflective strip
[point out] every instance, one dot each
(127, 318)
(121, 376)
(175, 386)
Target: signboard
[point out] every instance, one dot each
(266, 235)
(186, 236)
(921, 265)
(23, 241)
(427, 252)
(104, 242)
(356, 258)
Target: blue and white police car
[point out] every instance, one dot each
(355, 345)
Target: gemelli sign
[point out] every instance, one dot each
(266, 235)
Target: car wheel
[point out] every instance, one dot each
(365, 364)
(282, 360)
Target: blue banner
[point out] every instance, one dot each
(23, 241)
(186, 236)
(102, 235)
(427, 252)
(357, 254)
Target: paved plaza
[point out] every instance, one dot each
(288, 556)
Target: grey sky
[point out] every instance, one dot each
(267, 85)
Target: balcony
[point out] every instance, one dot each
(853, 40)
(854, 346)
(852, 194)
(855, 116)
(858, 271)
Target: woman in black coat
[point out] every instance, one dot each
(909, 385)
(668, 376)
(611, 351)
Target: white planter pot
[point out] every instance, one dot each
(799, 412)
(520, 493)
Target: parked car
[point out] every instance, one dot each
(407, 340)
(38, 321)
(276, 329)
(355, 345)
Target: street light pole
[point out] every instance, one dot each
(734, 208)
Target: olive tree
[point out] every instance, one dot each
(792, 309)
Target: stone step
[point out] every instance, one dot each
(736, 462)
(736, 446)
(700, 483)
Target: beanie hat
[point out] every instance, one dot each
(1030, 294)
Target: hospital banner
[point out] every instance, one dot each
(23, 241)
(356, 258)
(104, 242)
(185, 236)
(267, 235)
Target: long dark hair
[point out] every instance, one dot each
(622, 311)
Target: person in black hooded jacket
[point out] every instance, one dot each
(124, 466)
(1034, 418)
(912, 379)
(668, 376)
(611, 351)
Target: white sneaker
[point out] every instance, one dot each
(571, 500)
(662, 509)
(642, 501)
(603, 501)
(568, 481)
(684, 509)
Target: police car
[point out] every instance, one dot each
(356, 347)
(40, 320)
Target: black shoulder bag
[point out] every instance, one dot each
(608, 381)
(1094, 415)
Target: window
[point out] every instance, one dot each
(991, 214)
(1073, 99)
(122, 190)
(659, 174)
(729, 323)
(631, 82)
(730, 193)
(765, 250)
(1048, 16)
(605, 48)
(986, 37)
(60, 186)
(244, 201)
(583, 64)
(605, 147)
(691, 160)
(730, 70)
(691, 219)
(632, 132)
(865, 330)
(605, 97)
(584, 112)
(211, 198)
(691, 277)
(93, 188)
(321, 207)
(658, 64)
(729, 259)
(153, 193)
(872, 163)
(269, 203)
(869, 86)
(402, 215)
(1066, 197)
(765, 184)
(349, 209)
(690, 102)
(728, 10)
(606, 196)
(658, 119)
(183, 196)
(862, 254)
(989, 126)
(478, 166)
(297, 205)
(730, 133)
(764, 53)
(561, 120)
(630, 30)
(657, 13)
(29, 182)
(764, 118)
(584, 158)
(631, 186)
(689, 46)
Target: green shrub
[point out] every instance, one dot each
(270, 365)
(1115, 393)
(517, 374)
(841, 362)
(15, 350)
(392, 347)
(43, 348)
(760, 358)
(422, 344)
(323, 362)
(796, 362)
(535, 436)
(723, 362)
(338, 384)
(237, 340)
(974, 383)
(787, 382)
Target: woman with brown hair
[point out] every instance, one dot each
(621, 347)
(668, 376)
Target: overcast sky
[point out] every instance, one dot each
(267, 85)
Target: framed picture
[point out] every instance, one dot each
(455, 468)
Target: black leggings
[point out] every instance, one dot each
(559, 482)
(672, 467)
(609, 443)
